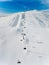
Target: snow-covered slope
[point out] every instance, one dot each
(24, 38)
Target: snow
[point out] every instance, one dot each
(28, 30)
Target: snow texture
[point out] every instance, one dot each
(24, 38)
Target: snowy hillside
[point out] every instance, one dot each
(24, 38)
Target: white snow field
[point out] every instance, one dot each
(24, 38)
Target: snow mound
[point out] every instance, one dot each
(24, 38)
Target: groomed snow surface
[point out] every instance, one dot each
(24, 38)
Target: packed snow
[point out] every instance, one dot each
(24, 38)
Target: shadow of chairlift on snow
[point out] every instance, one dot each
(18, 62)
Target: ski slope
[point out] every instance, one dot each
(24, 38)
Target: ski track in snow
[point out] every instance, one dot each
(24, 39)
